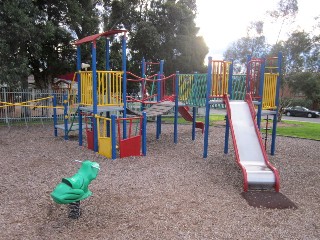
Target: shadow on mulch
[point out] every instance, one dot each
(272, 200)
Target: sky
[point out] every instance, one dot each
(222, 22)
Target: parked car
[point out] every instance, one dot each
(298, 111)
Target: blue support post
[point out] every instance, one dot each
(79, 93)
(65, 114)
(143, 75)
(262, 70)
(206, 129)
(158, 128)
(176, 106)
(144, 134)
(124, 84)
(161, 93)
(95, 96)
(113, 137)
(275, 117)
(143, 68)
(55, 120)
(226, 136)
(108, 86)
(194, 109)
(161, 67)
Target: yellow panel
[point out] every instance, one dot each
(105, 147)
(109, 88)
(269, 91)
(220, 77)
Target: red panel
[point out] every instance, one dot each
(90, 139)
(130, 147)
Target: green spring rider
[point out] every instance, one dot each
(74, 189)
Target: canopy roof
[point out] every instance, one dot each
(96, 36)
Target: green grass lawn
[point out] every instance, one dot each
(212, 119)
(299, 129)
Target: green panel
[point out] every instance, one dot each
(238, 87)
(192, 89)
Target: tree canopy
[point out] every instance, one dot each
(301, 51)
(37, 35)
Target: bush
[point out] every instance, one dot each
(288, 102)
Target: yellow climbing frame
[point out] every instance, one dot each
(220, 76)
(269, 90)
(109, 88)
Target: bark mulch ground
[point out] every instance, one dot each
(172, 193)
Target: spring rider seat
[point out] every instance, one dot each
(74, 189)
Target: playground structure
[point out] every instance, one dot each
(102, 96)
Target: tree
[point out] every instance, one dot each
(17, 30)
(36, 37)
(61, 23)
(286, 11)
(254, 44)
(159, 30)
(300, 66)
(307, 83)
(180, 46)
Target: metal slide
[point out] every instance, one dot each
(258, 173)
